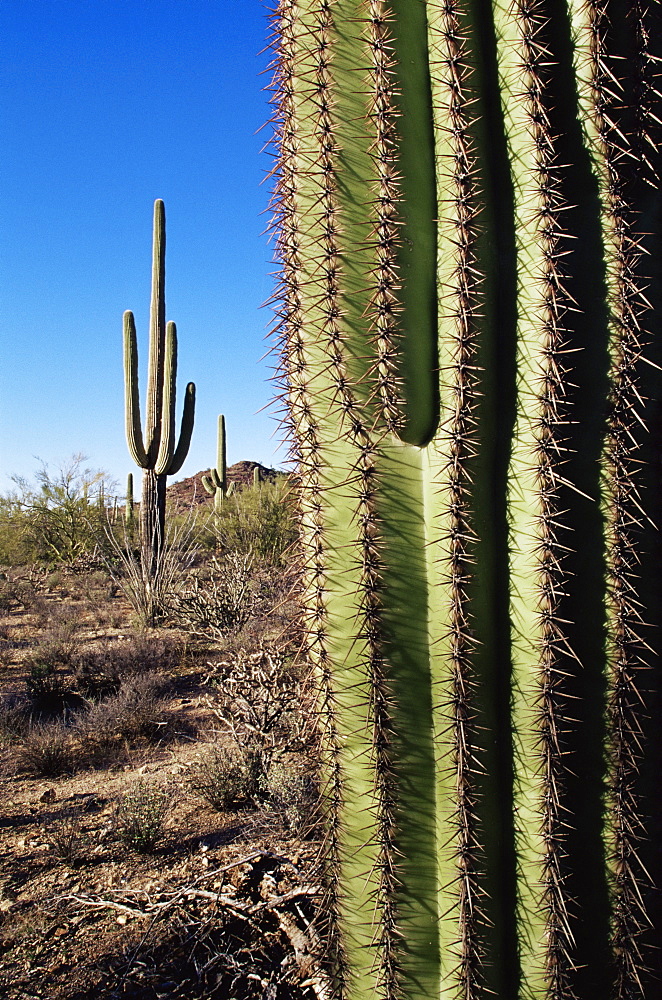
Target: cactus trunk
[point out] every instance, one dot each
(469, 219)
(152, 521)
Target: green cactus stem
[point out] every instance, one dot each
(157, 452)
(469, 237)
(216, 483)
(256, 478)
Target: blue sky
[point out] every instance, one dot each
(105, 106)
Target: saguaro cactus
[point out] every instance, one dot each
(469, 218)
(129, 513)
(156, 453)
(216, 483)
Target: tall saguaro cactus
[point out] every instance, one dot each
(216, 483)
(156, 452)
(469, 217)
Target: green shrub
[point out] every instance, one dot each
(55, 519)
(227, 776)
(294, 795)
(259, 522)
(141, 814)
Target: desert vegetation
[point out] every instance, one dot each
(160, 806)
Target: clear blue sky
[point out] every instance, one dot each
(105, 106)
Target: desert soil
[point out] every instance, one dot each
(222, 906)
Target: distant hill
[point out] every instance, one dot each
(191, 493)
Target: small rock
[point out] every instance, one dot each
(48, 796)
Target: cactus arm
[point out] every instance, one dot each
(134, 436)
(157, 336)
(186, 431)
(167, 436)
(209, 485)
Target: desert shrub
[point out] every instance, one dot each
(260, 699)
(46, 750)
(141, 814)
(227, 776)
(16, 592)
(96, 586)
(15, 716)
(6, 644)
(66, 838)
(151, 596)
(100, 672)
(7, 599)
(218, 600)
(46, 687)
(294, 795)
(135, 711)
(55, 519)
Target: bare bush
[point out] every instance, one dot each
(100, 672)
(15, 715)
(47, 750)
(219, 601)
(294, 795)
(260, 700)
(135, 712)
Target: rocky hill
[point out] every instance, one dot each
(191, 493)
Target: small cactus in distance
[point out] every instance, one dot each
(216, 483)
(256, 478)
(156, 452)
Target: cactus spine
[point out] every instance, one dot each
(468, 216)
(216, 483)
(156, 452)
